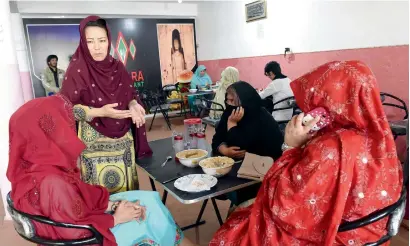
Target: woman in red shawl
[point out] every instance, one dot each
(46, 181)
(346, 171)
(107, 108)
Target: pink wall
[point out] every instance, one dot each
(389, 64)
(26, 85)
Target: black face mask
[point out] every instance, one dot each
(230, 108)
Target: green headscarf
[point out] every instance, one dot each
(200, 81)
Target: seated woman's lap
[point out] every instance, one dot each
(158, 227)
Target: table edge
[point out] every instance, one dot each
(251, 182)
(205, 197)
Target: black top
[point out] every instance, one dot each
(257, 132)
(55, 73)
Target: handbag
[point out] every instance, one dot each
(255, 167)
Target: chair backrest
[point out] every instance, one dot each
(23, 224)
(394, 102)
(290, 104)
(151, 99)
(395, 212)
(206, 106)
(168, 89)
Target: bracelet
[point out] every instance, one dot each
(286, 147)
(114, 206)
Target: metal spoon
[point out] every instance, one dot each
(167, 160)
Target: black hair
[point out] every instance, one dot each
(98, 23)
(51, 57)
(274, 67)
(177, 36)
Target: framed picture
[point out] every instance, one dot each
(255, 11)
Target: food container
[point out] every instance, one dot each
(217, 171)
(192, 127)
(191, 157)
(193, 90)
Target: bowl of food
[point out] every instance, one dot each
(193, 90)
(217, 166)
(191, 157)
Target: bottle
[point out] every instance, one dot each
(194, 141)
(201, 141)
(178, 143)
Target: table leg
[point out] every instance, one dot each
(152, 184)
(164, 197)
(198, 220)
(217, 211)
(201, 212)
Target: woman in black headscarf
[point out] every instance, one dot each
(246, 126)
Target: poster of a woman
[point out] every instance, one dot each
(176, 50)
(177, 55)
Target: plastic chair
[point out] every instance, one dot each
(23, 224)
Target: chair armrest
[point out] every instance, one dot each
(375, 216)
(403, 107)
(94, 239)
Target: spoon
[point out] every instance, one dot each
(167, 160)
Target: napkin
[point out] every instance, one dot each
(196, 184)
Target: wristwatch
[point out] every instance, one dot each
(286, 147)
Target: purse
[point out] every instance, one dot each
(255, 167)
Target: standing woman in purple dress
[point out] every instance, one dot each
(111, 120)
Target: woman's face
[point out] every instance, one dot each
(270, 75)
(97, 42)
(202, 73)
(231, 99)
(176, 44)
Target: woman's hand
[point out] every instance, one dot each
(126, 212)
(235, 117)
(109, 111)
(296, 134)
(137, 113)
(233, 152)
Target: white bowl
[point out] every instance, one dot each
(193, 90)
(191, 162)
(216, 171)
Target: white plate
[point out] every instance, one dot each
(203, 182)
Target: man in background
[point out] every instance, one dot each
(52, 77)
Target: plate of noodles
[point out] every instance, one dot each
(217, 166)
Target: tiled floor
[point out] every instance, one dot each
(183, 214)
